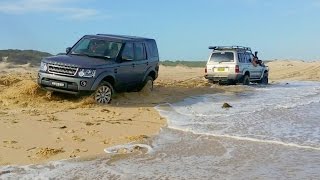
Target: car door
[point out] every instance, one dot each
(125, 69)
(140, 61)
(254, 69)
(243, 65)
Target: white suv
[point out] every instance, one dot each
(235, 64)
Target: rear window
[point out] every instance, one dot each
(153, 49)
(222, 57)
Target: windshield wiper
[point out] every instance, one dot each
(79, 54)
(96, 56)
(88, 55)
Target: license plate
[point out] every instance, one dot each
(220, 69)
(58, 84)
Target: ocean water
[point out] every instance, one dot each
(271, 132)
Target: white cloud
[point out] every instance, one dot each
(61, 7)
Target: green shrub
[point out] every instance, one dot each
(23, 56)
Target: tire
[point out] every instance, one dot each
(246, 80)
(265, 79)
(147, 84)
(212, 81)
(231, 82)
(103, 94)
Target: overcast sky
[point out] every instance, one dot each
(278, 29)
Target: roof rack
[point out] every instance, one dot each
(229, 47)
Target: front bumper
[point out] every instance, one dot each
(229, 78)
(64, 84)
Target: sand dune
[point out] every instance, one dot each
(37, 126)
(294, 70)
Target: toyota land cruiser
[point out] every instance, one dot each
(102, 64)
(235, 64)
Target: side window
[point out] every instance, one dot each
(245, 57)
(140, 51)
(128, 51)
(240, 58)
(248, 58)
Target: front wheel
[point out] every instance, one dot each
(265, 79)
(103, 94)
(246, 80)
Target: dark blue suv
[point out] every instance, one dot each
(102, 64)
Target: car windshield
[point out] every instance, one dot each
(222, 57)
(97, 48)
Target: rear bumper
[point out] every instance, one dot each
(70, 85)
(229, 78)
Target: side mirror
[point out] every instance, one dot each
(126, 58)
(68, 50)
(256, 54)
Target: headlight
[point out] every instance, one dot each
(87, 73)
(43, 66)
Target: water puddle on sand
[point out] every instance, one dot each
(272, 132)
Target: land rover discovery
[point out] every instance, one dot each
(102, 64)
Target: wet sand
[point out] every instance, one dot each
(38, 127)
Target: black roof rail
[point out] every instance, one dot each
(229, 47)
(122, 36)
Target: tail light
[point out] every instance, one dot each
(237, 70)
(206, 70)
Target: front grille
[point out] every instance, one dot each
(62, 69)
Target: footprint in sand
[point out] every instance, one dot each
(59, 139)
(70, 131)
(137, 138)
(52, 118)
(10, 142)
(82, 114)
(89, 124)
(75, 153)
(106, 141)
(105, 110)
(14, 122)
(78, 139)
(33, 112)
(92, 133)
(48, 152)
(3, 113)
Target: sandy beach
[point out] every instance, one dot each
(37, 126)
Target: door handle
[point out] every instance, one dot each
(115, 70)
(133, 65)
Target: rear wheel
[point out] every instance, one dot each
(147, 84)
(232, 82)
(246, 80)
(212, 81)
(103, 94)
